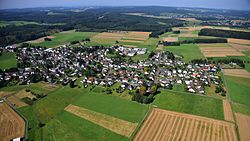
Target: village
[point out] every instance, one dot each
(106, 66)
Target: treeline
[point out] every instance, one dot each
(237, 61)
(224, 33)
(207, 41)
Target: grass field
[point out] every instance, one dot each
(239, 108)
(238, 89)
(66, 37)
(54, 117)
(191, 104)
(8, 60)
(16, 23)
(188, 51)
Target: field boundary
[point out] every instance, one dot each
(137, 129)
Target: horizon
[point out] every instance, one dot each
(243, 5)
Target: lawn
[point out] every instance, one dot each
(66, 37)
(8, 60)
(191, 104)
(188, 51)
(238, 88)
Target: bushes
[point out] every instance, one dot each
(224, 33)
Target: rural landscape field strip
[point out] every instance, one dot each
(116, 125)
(240, 47)
(220, 52)
(239, 41)
(243, 122)
(237, 72)
(11, 124)
(228, 114)
(163, 125)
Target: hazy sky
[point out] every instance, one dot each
(220, 4)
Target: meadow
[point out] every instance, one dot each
(65, 37)
(188, 51)
(238, 89)
(190, 104)
(54, 117)
(8, 60)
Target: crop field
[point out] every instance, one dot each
(163, 125)
(228, 113)
(220, 52)
(122, 36)
(240, 47)
(214, 45)
(12, 125)
(8, 60)
(190, 104)
(170, 39)
(188, 51)
(116, 125)
(237, 73)
(239, 41)
(238, 89)
(65, 37)
(16, 102)
(243, 122)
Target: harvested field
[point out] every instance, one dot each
(239, 41)
(130, 41)
(170, 39)
(237, 72)
(240, 47)
(113, 124)
(16, 102)
(163, 125)
(4, 94)
(243, 123)
(40, 40)
(213, 45)
(12, 125)
(228, 114)
(220, 52)
(188, 35)
(124, 36)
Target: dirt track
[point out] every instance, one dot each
(243, 123)
(163, 125)
(11, 124)
(228, 114)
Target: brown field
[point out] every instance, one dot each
(11, 124)
(220, 52)
(163, 125)
(228, 114)
(239, 41)
(237, 73)
(124, 36)
(243, 123)
(240, 47)
(113, 124)
(23, 94)
(40, 40)
(170, 39)
(214, 45)
(188, 35)
(4, 94)
(16, 102)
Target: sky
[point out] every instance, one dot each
(218, 4)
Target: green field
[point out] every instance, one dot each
(50, 111)
(191, 104)
(66, 37)
(188, 51)
(16, 23)
(239, 108)
(238, 89)
(8, 60)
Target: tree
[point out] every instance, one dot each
(153, 89)
(116, 42)
(142, 90)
